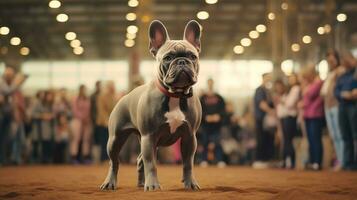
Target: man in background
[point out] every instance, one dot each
(263, 107)
(10, 82)
(213, 111)
(346, 94)
(105, 104)
(93, 115)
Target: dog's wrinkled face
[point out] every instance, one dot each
(178, 59)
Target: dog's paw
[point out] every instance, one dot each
(109, 184)
(151, 185)
(191, 184)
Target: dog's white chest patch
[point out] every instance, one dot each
(175, 116)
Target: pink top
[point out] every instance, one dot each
(313, 102)
(81, 109)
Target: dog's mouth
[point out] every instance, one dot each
(184, 90)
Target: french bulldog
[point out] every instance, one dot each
(161, 111)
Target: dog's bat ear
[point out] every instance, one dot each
(192, 34)
(158, 36)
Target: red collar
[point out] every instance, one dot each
(169, 94)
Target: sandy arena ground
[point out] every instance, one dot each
(82, 182)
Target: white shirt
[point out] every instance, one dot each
(288, 103)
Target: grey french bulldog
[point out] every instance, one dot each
(161, 111)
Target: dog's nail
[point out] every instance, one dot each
(187, 91)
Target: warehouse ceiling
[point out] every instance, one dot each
(101, 26)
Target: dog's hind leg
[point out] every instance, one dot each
(115, 143)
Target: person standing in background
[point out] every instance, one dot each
(105, 104)
(346, 94)
(213, 111)
(61, 138)
(313, 115)
(93, 115)
(44, 112)
(287, 113)
(263, 107)
(36, 134)
(331, 106)
(81, 127)
(62, 104)
(9, 83)
(18, 128)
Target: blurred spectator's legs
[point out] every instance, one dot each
(103, 137)
(17, 142)
(75, 140)
(211, 138)
(60, 152)
(47, 149)
(265, 143)
(4, 139)
(348, 125)
(86, 139)
(96, 144)
(289, 131)
(335, 133)
(314, 133)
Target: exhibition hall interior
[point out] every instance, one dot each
(266, 90)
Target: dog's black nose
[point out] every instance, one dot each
(181, 62)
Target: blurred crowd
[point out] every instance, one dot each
(56, 126)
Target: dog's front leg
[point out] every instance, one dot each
(188, 149)
(148, 150)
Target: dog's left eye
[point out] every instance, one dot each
(193, 57)
(168, 58)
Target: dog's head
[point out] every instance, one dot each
(178, 59)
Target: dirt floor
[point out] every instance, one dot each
(82, 182)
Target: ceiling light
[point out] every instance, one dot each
(341, 17)
(130, 16)
(321, 30)
(238, 49)
(24, 51)
(132, 29)
(245, 42)
(327, 28)
(4, 30)
(75, 43)
(253, 34)
(62, 17)
(271, 16)
(295, 47)
(211, 1)
(71, 35)
(129, 43)
(78, 50)
(202, 15)
(284, 6)
(261, 28)
(15, 41)
(54, 4)
(133, 3)
(306, 39)
(131, 36)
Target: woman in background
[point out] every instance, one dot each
(287, 112)
(331, 106)
(81, 127)
(313, 113)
